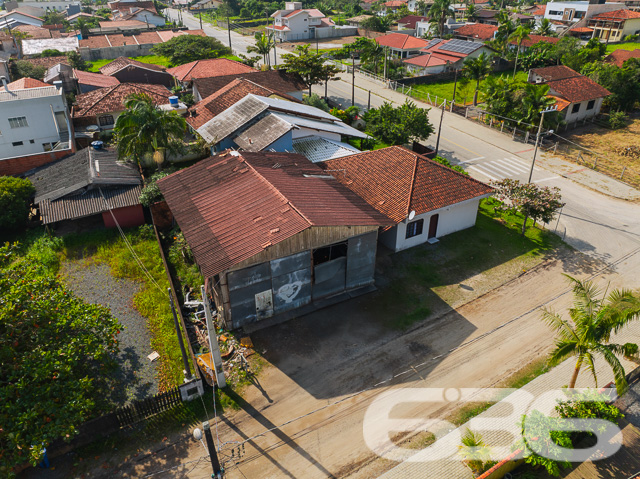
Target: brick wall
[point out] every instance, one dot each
(22, 164)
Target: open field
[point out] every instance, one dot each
(153, 59)
(623, 46)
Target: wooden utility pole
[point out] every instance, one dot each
(214, 348)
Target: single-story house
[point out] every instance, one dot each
(357, 20)
(442, 55)
(149, 16)
(99, 109)
(275, 80)
(577, 96)
(476, 32)
(89, 81)
(258, 123)
(227, 96)
(426, 200)
(402, 45)
(488, 17)
(273, 234)
(618, 57)
(113, 26)
(185, 74)
(614, 26)
(533, 40)
(127, 70)
(88, 183)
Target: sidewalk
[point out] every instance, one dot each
(582, 175)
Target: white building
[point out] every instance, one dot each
(296, 23)
(572, 12)
(33, 120)
(15, 19)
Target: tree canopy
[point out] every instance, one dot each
(57, 353)
(189, 48)
(310, 66)
(398, 125)
(15, 194)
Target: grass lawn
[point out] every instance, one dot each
(623, 46)
(464, 90)
(429, 279)
(153, 59)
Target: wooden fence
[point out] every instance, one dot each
(145, 408)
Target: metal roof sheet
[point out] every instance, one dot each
(263, 133)
(319, 125)
(318, 149)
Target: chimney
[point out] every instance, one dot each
(3, 79)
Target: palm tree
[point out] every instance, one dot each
(474, 451)
(144, 129)
(505, 29)
(439, 12)
(545, 28)
(472, 11)
(477, 69)
(521, 34)
(264, 45)
(534, 99)
(593, 320)
(373, 53)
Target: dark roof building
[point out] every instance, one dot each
(127, 70)
(272, 233)
(89, 81)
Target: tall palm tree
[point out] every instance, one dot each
(587, 335)
(505, 29)
(477, 69)
(264, 45)
(534, 99)
(519, 35)
(439, 12)
(144, 129)
(472, 11)
(373, 53)
(545, 28)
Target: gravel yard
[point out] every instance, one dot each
(94, 283)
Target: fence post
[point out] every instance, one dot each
(466, 112)
(491, 123)
(624, 168)
(555, 147)
(501, 127)
(526, 138)
(595, 163)
(579, 157)
(513, 137)
(436, 104)
(451, 109)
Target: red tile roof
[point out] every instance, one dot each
(209, 68)
(581, 30)
(229, 95)
(401, 41)
(95, 79)
(233, 206)
(577, 89)
(25, 83)
(480, 31)
(557, 72)
(123, 62)
(46, 62)
(110, 100)
(616, 15)
(539, 11)
(123, 23)
(395, 3)
(535, 39)
(275, 80)
(410, 20)
(397, 181)
(618, 57)
(427, 60)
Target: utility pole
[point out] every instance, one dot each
(384, 72)
(440, 127)
(369, 101)
(326, 84)
(200, 15)
(535, 151)
(185, 361)
(216, 358)
(455, 84)
(229, 30)
(353, 79)
(213, 454)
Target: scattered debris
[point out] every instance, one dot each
(153, 356)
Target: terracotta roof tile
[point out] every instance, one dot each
(401, 41)
(275, 80)
(428, 60)
(231, 207)
(227, 96)
(25, 83)
(480, 31)
(535, 39)
(618, 57)
(209, 68)
(556, 72)
(109, 100)
(622, 14)
(123, 23)
(580, 88)
(98, 41)
(95, 79)
(123, 62)
(396, 181)
(46, 62)
(148, 38)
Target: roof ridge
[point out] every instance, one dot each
(110, 89)
(412, 183)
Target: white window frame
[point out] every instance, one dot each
(18, 122)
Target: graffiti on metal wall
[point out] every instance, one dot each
(288, 292)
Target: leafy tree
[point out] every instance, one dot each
(309, 65)
(623, 83)
(189, 48)
(539, 55)
(477, 69)
(151, 194)
(519, 35)
(588, 404)
(58, 353)
(474, 452)
(316, 102)
(532, 99)
(472, 12)
(617, 120)
(51, 52)
(545, 28)
(499, 95)
(575, 58)
(377, 23)
(53, 17)
(398, 125)
(372, 55)
(76, 61)
(505, 29)
(593, 321)
(15, 194)
(264, 45)
(439, 12)
(143, 129)
(249, 61)
(529, 199)
(23, 69)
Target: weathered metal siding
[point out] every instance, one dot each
(329, 278)
(361, 260)
(291, 281)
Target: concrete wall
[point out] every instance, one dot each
(582, 10)
(111, 53)
(582, 113)
(328, 32)
(450, 219)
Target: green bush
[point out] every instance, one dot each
(447, 163)
(630, 38)
(315, 101)
(151, 193)
(617, 120)
(15, 194)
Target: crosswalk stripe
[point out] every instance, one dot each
(496, 169)
(516, 169)
(526, 165)
(469, 161)
(482, 172)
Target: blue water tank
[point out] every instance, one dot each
(97, 145)
(173, 101)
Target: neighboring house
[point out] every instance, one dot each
(99, 109)
(533, 40)
(570, 13)
(618, 57)
(392, 7)
(442, 55)
(61, 72)
(275, 80)
(426, 200)
(402, 45)
(34, 125)
(577, 96)
(73, 19)
(258, 123)
(487, 17)
(7, 44)
(522, 19)
(145, 15)
(127, 70)
(206, 5)
(185, 74)
(46, 5)
(36, 47)
(583, 33)
(476, 32)
(227, 96)
(409, 22)
(296, 23)
(358, 20)
(89, 81)
(15, 18)
(29, 10)
(89, 183)
(614, 26)
(273, 235)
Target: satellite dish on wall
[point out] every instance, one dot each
(412, 215)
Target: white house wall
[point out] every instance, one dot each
(583, 113)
